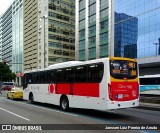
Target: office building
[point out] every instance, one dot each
(30, 39)
(132, 30)
(0, 39)
(7, 35)
(17, 36)
(92, 29)
(53, 42)
(147, 13)
(125, 36)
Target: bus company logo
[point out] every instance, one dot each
(121, 86)
(52, 88)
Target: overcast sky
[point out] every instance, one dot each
(4, 4)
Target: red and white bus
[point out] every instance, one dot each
(102, 84)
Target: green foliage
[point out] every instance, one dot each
(5, 73)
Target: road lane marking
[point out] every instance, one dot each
(36, 106)
(79, 115)
(15, 114)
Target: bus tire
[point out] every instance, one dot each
(31, 98)
(64, 103)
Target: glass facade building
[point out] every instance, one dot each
(7, 35)
(125, 28)
(0, 38)
(17, 36)
(91, 29)
(139, 32)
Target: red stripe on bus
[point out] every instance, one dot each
(79, 89)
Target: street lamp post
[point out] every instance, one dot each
(44, 18)
(156, 47)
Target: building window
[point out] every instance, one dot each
(82, 55)
(92, 9)
(82, 24)
(104, 50)
(92, 19)
(81, 34)
(82, 14)
(81, 4)
(104, 25)
(104, 13)
(92, 30)
(103, 4)
(92, 1)
(92, 41)
(104, 38)
(82, 44)
(92, 53)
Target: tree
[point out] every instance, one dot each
(5, 72)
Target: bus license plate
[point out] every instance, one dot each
(119, 96)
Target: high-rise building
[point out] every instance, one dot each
(146, 14)
(17, 36)
(30, 9)
(92, 29)
(125, 36)
(7, 35)
(48, 32)
(131, 30)
(0, 38)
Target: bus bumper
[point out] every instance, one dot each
(123, 104)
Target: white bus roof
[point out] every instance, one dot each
(150, 76)
(65, 63)
(69, 63)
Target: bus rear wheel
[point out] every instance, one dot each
(64, 103)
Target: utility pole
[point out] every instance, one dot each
(44, 18)
(157, 47)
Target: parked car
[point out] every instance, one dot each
(15, 93)
(7, 86)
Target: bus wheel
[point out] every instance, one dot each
(31, 98)
(64, 103)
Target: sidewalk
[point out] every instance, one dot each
(149, 106)
(150, 102)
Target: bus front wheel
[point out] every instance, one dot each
(31, 98)
(64, 103)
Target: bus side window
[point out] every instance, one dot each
(46, 77)
(41, 77)
(59, 76)
(52, 72)
(81, 74)
(30, 78)
(34, 75)
(95, 72)
(69, 75)
(38, 77)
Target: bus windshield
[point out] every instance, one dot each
(120, 69)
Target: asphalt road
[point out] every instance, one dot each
(22, 112)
